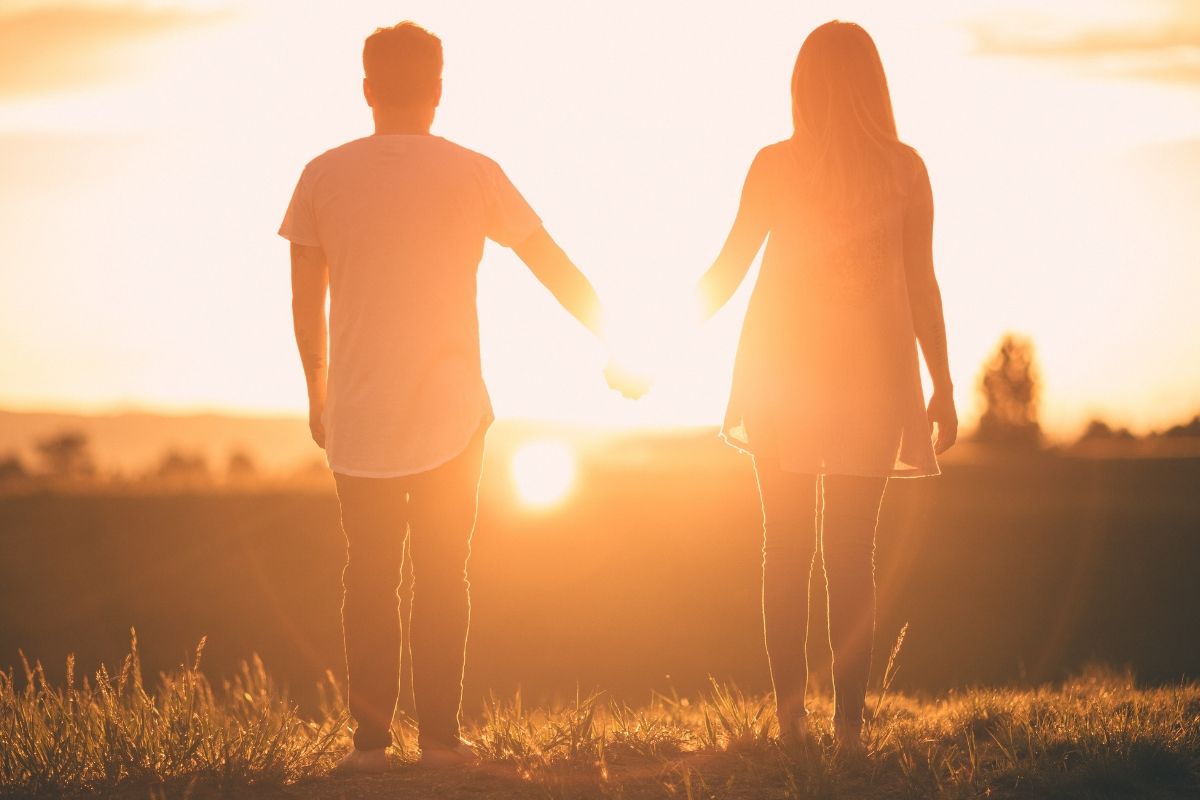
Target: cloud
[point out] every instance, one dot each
(70, 45)
(1051, 41)
(1161, 42)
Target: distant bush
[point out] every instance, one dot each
(1187, 430)
(67, 455)
(1099, 430)
(178, 467)
(12, 469)
(240, 467)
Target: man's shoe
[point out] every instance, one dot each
(438, 756)
(362, 762)
(793, 732)
(848, 735)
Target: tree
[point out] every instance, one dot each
(67, 455)
(1098, 430)
(1184, 430)
(240, 467)
(179, 467)
(1010, 388)
(12, 468)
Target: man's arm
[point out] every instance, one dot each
(551, 266)
(925, 302)
(310, 283)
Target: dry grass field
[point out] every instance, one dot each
(113, 734)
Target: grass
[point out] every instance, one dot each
(111, 734)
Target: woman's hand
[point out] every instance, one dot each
(944, 416)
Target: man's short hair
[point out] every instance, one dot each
(403, 64)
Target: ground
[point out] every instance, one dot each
(1098, 735)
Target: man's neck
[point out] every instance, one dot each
(402, 121)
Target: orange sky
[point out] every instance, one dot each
(147, 151)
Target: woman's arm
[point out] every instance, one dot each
(925, 302)
(750, 228)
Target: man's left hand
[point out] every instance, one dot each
(315, 424)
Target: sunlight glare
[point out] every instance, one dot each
(647, 333)
(543, 471)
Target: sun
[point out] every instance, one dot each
(543, 471)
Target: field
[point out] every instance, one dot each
(1096, 736)
(623, 619)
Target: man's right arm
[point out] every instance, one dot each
(310, 283)
(551, 266)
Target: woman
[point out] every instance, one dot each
(827, 392)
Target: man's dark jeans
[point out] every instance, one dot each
(438, 510)
(837, 515)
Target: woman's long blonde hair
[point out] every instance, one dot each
(842, 113)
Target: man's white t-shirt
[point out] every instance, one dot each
(402, 220)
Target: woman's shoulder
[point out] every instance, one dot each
(910, 160)
(776, 149)
(772, 160)
(775, 152)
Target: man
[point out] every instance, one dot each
(393, 226)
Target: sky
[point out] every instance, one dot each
(148, 150)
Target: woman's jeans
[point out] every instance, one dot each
(436, 509)
(834, 516)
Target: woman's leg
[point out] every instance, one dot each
(851, 510)
(789, 547)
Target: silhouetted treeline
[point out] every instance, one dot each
(1009, 385)
(64, 460)
(1099, 433)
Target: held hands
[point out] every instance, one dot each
(943, 415)
(632, 384)
(628, 371)
(645, 338)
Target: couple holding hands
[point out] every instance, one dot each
(826, 396)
